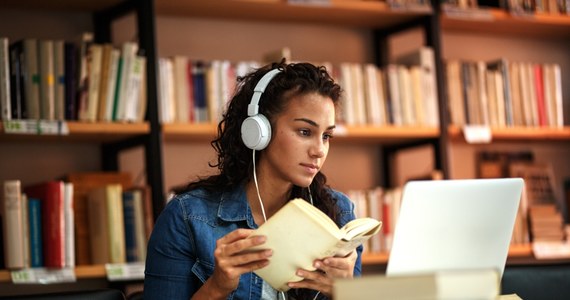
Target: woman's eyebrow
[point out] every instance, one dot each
(313, 123)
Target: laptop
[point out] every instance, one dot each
(448, 225)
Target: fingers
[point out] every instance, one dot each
(327, 270)
(338, 267)
(314, 280)
(237, 241)
(232, 258)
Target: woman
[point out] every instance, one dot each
(197, 246)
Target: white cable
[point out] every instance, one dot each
(257, 188)
(265, 217)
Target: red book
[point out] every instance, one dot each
(539, 87)
(53, 222)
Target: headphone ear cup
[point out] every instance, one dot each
(256, 132)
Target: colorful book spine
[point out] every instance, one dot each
(35, 227)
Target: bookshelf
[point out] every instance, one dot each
(500, 22)
(99, 144)
(84, 132)
(530, 134)
(343, 134)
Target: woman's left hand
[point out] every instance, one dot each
(327, 270)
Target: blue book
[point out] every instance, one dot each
(35, 226)
(130, 230)
(199, 81)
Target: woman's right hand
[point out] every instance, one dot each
(233, 259)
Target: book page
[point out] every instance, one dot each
(297, 238)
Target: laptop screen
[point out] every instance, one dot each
(454, 225)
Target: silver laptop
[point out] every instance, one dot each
(454, 225)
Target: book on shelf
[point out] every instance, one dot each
(59, 79)
(422, 66)
(83, 183)
(12, 217)
(35, 227)
(47, 84)
(106, 224)
(5, 98)
(540, 202)
(135, 219)
(71, 62)
(52, 196)
(312, 235)
(464, 284)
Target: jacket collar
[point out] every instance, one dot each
(234, 207)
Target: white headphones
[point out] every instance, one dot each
(256, 129)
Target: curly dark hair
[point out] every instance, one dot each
(234, 158)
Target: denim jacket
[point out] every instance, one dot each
(180, 255)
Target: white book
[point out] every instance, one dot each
(13, 225)
(132, 97)
(347, 111)
(358, 94)
(558, 100)
(166, 91)
(69, 224)
(372, 95)
(406, 101)
(128, 56)
(416, 93)
(395, 102)
(5, 100)
(227, 84)
(211, 77)
(525, 95)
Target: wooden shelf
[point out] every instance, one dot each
(375, 258)
(368, 14)
(517, 251)
(500, 22)
(360, 134)
(81, 272)
(84, 132)
(523, 134)
(61, 5)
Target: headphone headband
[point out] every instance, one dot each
(253, 107)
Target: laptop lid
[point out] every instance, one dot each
(454, 225)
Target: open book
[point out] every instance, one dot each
(299, 233)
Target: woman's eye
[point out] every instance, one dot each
(327, 136)
(304, 132)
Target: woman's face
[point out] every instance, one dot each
(300, 141)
